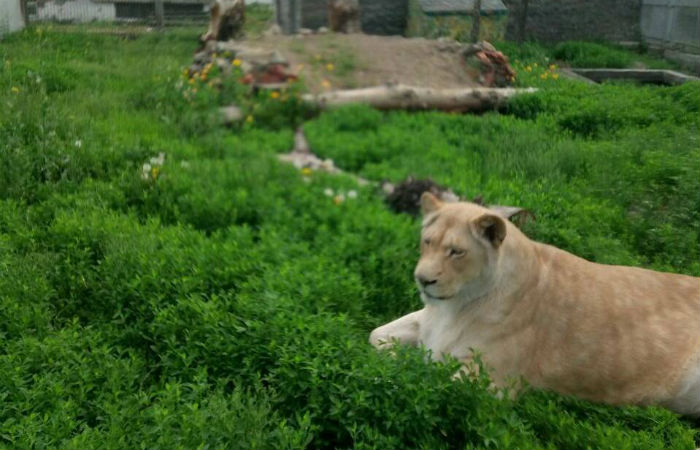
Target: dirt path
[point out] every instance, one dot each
(335, 61)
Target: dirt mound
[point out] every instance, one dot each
(337, 61)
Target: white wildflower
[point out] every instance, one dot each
(352, 194)
(158, 160)
(146, 171)
(327, 165)
(328, 192)
(338, 199)
(78, 143)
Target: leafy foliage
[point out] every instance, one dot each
(213, 297)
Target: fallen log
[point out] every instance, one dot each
(400, 96)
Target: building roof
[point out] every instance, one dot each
(461, 6)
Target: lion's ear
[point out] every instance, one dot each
(492, 228)
(429, 203)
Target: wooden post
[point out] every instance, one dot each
(476, 21)
(160, 13)
(522, 19)
(25, 13)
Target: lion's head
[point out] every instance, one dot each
(459, 249)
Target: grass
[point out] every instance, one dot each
(224, 300)
(585, 55)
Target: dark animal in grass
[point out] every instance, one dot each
(405, 198)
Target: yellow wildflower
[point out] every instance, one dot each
(330, 67)
(555, 75)
(15, 90)
(236, 62)
(544, 75)
(317, 57)
(534, 64)
(326, 84)
(274, 94)
(528, 69)
(154, 172)
(552, 67)
(306, 171)
(249, 119)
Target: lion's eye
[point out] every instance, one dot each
(456, 253)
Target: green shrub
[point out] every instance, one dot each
(591, 55)
(218, 298)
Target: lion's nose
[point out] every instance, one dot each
(425, 281)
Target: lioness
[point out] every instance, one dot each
(614, 334)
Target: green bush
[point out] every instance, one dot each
(168, 283)
(591, 55)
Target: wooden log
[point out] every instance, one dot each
(344, 16)
(418, 98)
(226, 20)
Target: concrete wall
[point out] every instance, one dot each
(75, 11)
(560, 20)
(672, 27)
(11, 18)
(673, 24)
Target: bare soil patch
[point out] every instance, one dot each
(342, 61)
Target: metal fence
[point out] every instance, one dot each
(671, 24)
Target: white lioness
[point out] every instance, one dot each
(614, 334)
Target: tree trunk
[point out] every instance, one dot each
(476, 21)
(418, 98)
(522, 20)
(160, 13)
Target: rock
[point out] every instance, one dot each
(246, 67)
(259, 57)
(446, 44)
(322, 30)
(210, 46)
(231, 114)
(274, 30)
(305, 31)
(231, 47)
(201, 57)
(224, 65)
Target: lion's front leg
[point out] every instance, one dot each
(405, 330)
